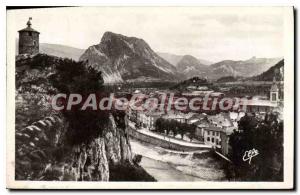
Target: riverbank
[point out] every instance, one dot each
(162, 171)
(169, 165)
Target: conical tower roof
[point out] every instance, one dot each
(28, 28)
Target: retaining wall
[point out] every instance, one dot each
(161, 143)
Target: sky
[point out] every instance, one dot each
(210, 33)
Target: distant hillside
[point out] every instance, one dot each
(61, 51)
(228, 79)
(247, 68)
(190, 67)
(171, 58)
(195, 81)
(174, 59)
(275, 71)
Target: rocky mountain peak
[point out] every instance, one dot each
(122, 58)
(108, 36)
(117, 38)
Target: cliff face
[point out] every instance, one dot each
(91, 161)
(117, 143)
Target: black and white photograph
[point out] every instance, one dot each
(150, 98)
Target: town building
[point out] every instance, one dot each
(260, 106)
(132, 114)
(197, 117)
(218, 125)
(178, 116)
(222, 120)
(212, 136)
(28, 40)
(274, 92)
(201, 124)
(147, 119)
(197, 93)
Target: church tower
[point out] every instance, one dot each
(274, 92)
(28, 40)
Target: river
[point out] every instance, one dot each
(168, 165)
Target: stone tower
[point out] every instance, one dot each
(28, 40)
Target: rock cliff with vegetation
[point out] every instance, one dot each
(67, 145)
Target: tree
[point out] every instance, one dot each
(75, 77)
(159, 125)
(182, 129)
(192, 131)
(176, 128)
(167, 125)
(266, 136)
(172, 126)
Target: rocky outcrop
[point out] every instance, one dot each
(117, 143)
(88, 162)
(121, 58)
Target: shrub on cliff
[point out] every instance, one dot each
(74, 77)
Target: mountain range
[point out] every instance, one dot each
(190, 67)
(246, 68)
(130, 59)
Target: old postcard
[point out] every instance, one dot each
(150, 98)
